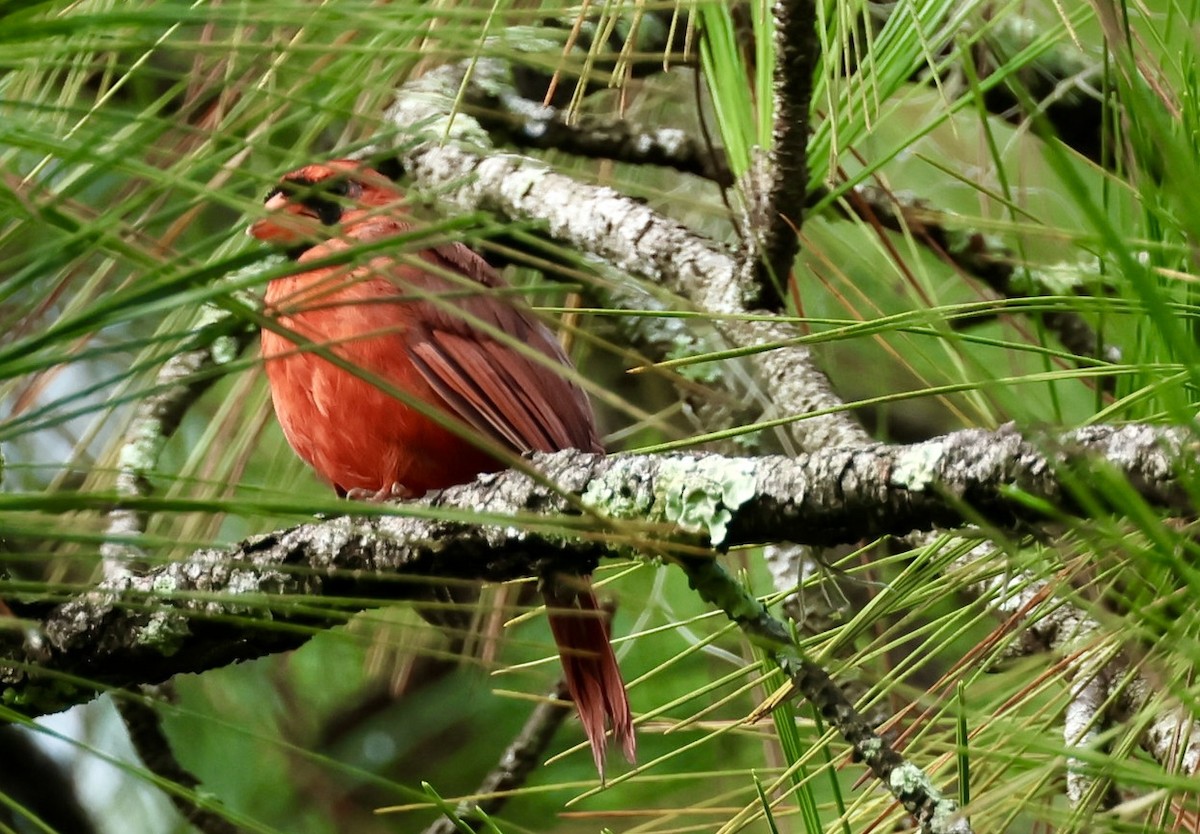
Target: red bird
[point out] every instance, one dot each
(430, 326)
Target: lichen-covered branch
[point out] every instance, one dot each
(194, 615)
(1102, 678)
(181, 381)
(911, 786)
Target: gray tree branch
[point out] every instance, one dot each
(193, 615)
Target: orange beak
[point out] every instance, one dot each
(286, 224)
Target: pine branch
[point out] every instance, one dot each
(196, 614)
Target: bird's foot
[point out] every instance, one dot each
(379, 495)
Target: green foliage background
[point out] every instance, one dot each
(136, 138)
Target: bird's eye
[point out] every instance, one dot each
(328, 212)
(310, 194)
(343, 187)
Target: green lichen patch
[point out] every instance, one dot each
(621, 493)
(142, 452)
(165, 632)
(916, 468)
(700, 495)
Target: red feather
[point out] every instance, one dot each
(443, 336)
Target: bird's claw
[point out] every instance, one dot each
(380, 495)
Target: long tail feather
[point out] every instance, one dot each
(580, 629)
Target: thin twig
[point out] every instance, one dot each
(911, 786)
(983, 258)
(517, 762)
(774, 229)
(528, 124)
(1058, 91)
(144, 725)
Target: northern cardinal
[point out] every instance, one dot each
(434, 338)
